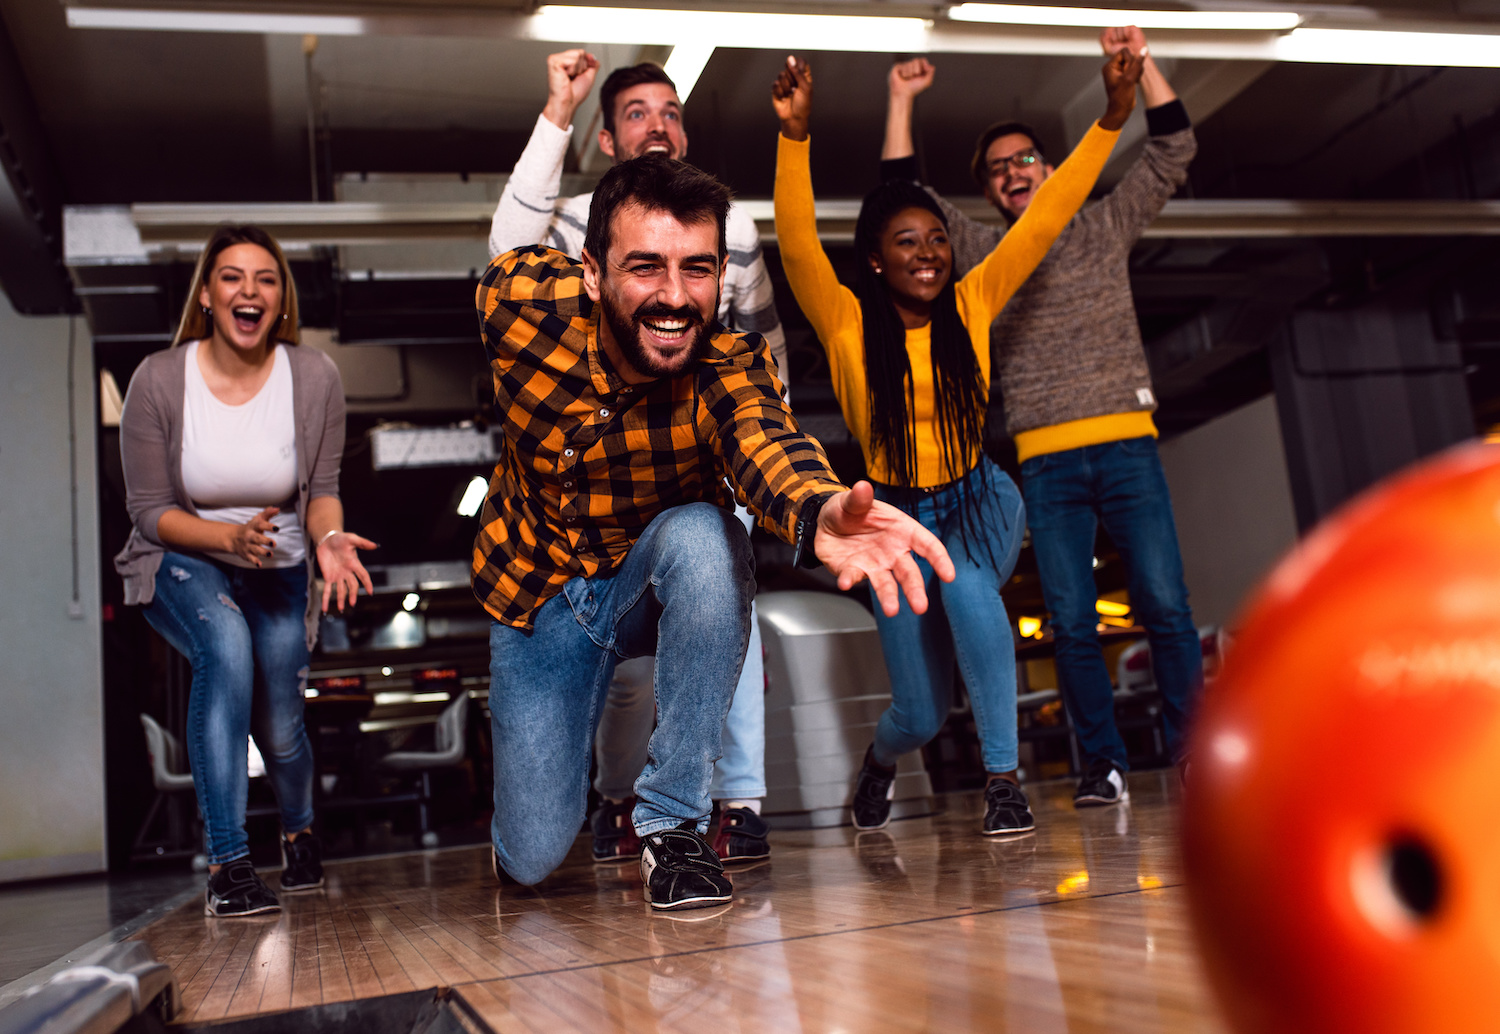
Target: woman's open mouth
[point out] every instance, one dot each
(247, 317)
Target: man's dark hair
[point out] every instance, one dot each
(622, 79)
(980, 167)
(658, 184)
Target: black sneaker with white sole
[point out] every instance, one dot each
(873, 790)
(682, 871)
(1102, 784)
(301, 863)
(235, 890)
(613, 832)
(743, 837)
(1006, 809)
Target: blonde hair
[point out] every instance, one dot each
(196, 323)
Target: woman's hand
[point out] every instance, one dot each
(342, 571)
(791, 96)
(1122, 73)
(248, 541)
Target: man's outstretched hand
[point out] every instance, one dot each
(859, 537)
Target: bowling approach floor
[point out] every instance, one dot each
(927, 926)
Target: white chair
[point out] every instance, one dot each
(448, 752)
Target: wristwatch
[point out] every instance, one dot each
(807, 531)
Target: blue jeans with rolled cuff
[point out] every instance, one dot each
(1121, 485)
(965, 620)
(244, 632)
(682, 594)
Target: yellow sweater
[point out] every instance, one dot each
(834, 311)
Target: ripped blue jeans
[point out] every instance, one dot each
(243, 631)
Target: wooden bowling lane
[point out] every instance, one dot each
(926, 926)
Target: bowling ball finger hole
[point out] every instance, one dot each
(1398, 885)
(1416, 880)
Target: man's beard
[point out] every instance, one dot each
(627, 334)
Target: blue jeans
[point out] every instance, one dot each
(1067, 495)
(683, 594)
(965, 619)
(630, 714)
(243, 630)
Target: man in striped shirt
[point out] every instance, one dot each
(628, 414)
(641, 114)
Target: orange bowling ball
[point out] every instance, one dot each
(1341, 822)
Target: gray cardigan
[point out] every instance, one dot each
(151, 448)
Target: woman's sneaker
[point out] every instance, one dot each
(681, 871)
(1006, 809)
(614, 833)
(301, 863)
(873, 790)
(235, 890)
(1102, 784)
(742, 836)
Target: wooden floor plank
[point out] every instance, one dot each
(925, 926)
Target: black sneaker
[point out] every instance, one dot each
(614, 833)
(680, 870)
(235, 890)
(742, 836)
(873, 790)
(1006, 809)
(1101, 784)
(301, 863)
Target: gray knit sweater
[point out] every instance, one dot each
(1067, 346)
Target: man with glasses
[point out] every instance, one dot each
(1078, 402)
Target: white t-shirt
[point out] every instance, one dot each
(238, 460)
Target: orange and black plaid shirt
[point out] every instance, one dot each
(589, 460)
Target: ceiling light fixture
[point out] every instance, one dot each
(1382, 47)
(213, 21)
(473, 498)
(685, 64)
(1084, 17)
(562, 23)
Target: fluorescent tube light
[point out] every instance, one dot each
(213, 21)
(1380, 47)
(561, 23)
(1020, 14)
(685, 64)
(473, 498)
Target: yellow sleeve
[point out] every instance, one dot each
(989, 285)
(830, 307)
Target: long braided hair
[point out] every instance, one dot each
(961, 396)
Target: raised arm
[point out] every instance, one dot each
(827, 304)
(1162, 167)
(907, 79)
(990, 284)
(525, 212)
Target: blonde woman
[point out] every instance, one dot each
(231, 441)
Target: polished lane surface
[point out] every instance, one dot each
(926, 926)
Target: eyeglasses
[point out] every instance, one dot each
(1019, 161)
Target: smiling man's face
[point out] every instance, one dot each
(648, 119)
(658, 292)
(1008, 186)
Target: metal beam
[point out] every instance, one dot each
(142, 233)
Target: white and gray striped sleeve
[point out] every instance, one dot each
(748, 298)
(527, 209)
